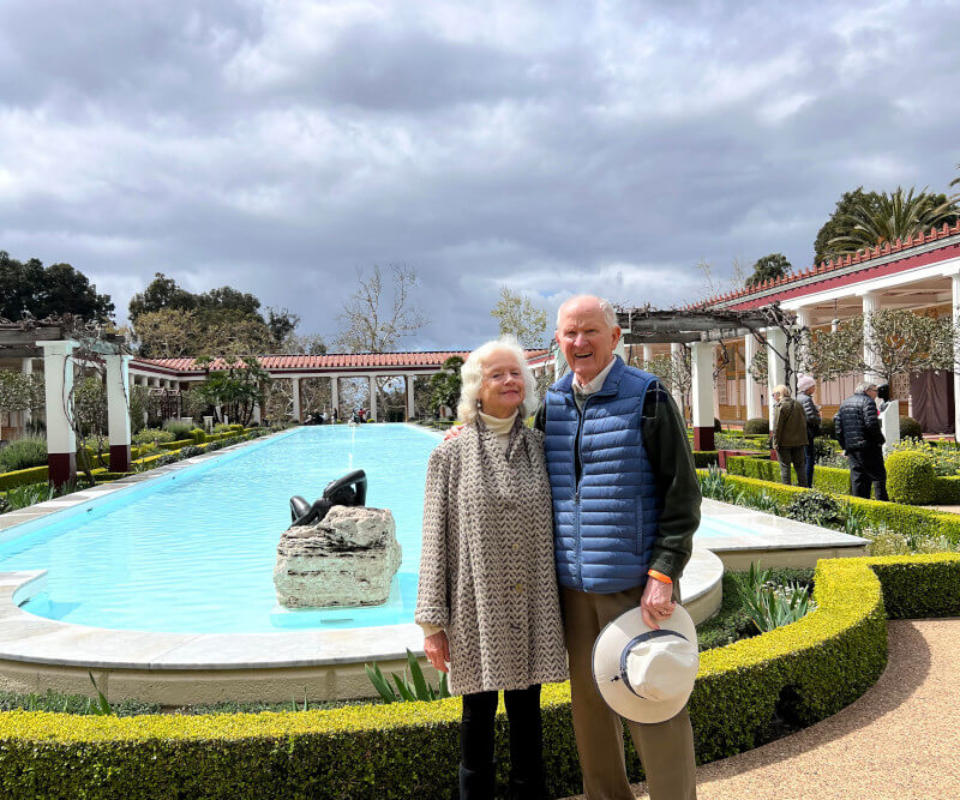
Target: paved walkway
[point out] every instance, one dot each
(901, 740)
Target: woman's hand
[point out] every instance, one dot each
(437, 649)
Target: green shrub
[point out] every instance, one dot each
(23, 477)
(945, 460)
(828, 428)
(923, 521)
(198, 435)
(815, 508)
(180, 430)
(911, 478)
(704, 458)
(151, 435)
(30, 451)
(910, 428)
(769, 605)
(717, 427)
(756, 425)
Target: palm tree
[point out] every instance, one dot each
(956, 180)
(897, 216)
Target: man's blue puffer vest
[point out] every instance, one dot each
(604, 528)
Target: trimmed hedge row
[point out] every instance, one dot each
(704, 458)
(827, 479)
(836, 480)
(893, 515)
(808, 670)
(23, 477)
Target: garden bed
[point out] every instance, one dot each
(805, 671)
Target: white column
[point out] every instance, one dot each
(749, 353)
(676, 352)
(25, 415)
(295, 391)
(955, 279)
(560, 365)
(118, 410)
(803, 321)
(647, 354)
(411, 408)
(620, 349)
(776, 369)
(871, 303)
(702, 360)
(61, 439)
(335, 393)
(373, 398)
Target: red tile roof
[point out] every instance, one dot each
(816, 271)
(325, 362)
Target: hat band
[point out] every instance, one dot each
(643, 637)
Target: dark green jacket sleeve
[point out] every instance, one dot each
(665, 437)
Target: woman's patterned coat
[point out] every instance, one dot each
(487, 573)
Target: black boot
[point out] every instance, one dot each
(520, 789)
(477, 784)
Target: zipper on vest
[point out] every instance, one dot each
(578, 548)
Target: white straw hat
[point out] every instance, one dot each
(643, 674)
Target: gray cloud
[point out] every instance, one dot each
(553, 147)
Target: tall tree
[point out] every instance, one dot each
(519, 317)
(282, 324)
(29, 288)
(834, 226)
(774, 265)
(161, 293)
(371, 322)
(876, 220)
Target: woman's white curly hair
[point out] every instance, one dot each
(471, 375)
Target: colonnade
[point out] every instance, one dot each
(58, 366)
(295, 381)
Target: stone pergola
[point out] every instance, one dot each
(60, 347)
(702, 330)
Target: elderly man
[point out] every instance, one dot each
(857, 428)
(626, 504)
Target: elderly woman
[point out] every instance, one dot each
(488, 599)
(789, 435)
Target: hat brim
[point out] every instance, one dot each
(606, 666)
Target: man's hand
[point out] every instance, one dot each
(437, 649)
(657, 604)
(453, 432)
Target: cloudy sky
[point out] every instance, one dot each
(553, 147)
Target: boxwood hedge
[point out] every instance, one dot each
(807, 670)
(893, 515)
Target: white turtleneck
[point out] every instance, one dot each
(500, 427)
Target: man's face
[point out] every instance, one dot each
(585, 339)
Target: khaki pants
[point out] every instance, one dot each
(665, 749)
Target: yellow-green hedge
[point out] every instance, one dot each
(894, 515)
(808, 670)
(23, 477)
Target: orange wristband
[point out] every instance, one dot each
(659, 576)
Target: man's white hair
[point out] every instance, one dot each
(471, 375)
(608, 311)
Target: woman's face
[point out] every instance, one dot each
(776, 397)
(501, 385)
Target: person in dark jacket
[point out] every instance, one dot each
(806, 386)
(789, 435)
(858, 432)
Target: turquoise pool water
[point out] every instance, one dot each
(196, 553)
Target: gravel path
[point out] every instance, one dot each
(901, 740)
